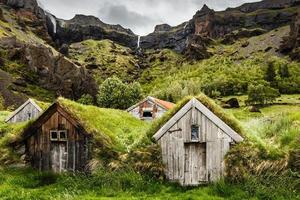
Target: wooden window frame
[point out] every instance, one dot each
(198, 137)
(59, 138)
(66, 135)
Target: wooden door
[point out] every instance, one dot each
(59, 156)
(195, 163)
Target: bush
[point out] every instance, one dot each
(113, 93)
(86, 99)
(261, 95)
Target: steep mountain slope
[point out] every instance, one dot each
(167, 62)
(29, 64)
(266, 15)
(105, 58)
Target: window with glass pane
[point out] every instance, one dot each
(54, 135)
(195, 133)
(62, 135)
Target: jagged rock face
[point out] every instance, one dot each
(88, 27)
(219, 24)
(49, 70)
(162, 28)
(257, 18)
(58, 74)
(196, 48)
(291, 44)
(28, 5)
(204, 22)
(175, 38)
(30, 16)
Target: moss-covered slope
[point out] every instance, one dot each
(105, 58)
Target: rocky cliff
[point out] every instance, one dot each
(29, 65)
(291, 45)
(265, 16)
(83, 27)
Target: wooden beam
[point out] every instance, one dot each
(173, 120)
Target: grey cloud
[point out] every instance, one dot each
(139, 15)
(119, 14)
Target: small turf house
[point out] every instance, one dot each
(68, 135)
(57, 142)
(27, 111)
(150, 108)
(194, 141)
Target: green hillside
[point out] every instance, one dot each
(273, 136)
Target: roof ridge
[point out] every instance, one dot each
(23, 106)
(194, 102)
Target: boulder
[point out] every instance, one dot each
(64, 49)
(233, 103)
(254, 109)
(197, 47)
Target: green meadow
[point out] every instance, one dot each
(274, 131)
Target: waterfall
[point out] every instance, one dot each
(138, 42)
(53, 21)
(185, 25)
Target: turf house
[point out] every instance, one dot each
(150, 108)
(68, 135)
(194, 140)
(28, 110)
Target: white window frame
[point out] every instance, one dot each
(58, 132)
(54, 131)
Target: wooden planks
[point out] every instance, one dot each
(25, 112)
(189, 162)
(71, 155)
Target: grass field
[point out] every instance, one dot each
(26, 184)
(276, 128)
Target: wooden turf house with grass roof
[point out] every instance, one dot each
(150, 108)
(194, 140)
(57, 141)
(27, 111)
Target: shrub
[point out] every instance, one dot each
(86, 99)
(261, 94)
(113, 93)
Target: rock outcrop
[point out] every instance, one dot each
(48, 69)
(162, 28)
(30, 16)
(245, 21)
(83, 27)
(291, 44)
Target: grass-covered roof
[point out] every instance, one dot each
(118, 127)
(114, 128)
(209, 103)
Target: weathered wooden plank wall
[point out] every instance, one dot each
(27, 113)
(39, 145)
(138, 110)
(190, 162)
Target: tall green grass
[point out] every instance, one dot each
(28, 184)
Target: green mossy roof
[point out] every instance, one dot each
(115, 129)
(209, 103)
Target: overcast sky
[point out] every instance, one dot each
(139, 15)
